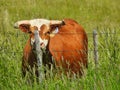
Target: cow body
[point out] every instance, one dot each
(69, 47)
(65, 40)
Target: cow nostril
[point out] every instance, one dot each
(41, 44)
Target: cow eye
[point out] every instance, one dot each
(29, 32)
(47, 32)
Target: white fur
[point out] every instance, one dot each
(44, 41)
(39, 22)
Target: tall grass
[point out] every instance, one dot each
(91, 14)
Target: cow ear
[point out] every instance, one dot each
(25, 28)
(54, 26)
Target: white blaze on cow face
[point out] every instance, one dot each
(39, 22)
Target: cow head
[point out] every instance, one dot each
(44, 27)
(47, 31)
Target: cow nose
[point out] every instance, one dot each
(42, 44)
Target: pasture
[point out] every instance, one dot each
(100, 15)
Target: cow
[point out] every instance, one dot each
(66, 40)
(29, 59)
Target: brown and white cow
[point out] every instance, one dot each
(66, 40)
(29, 60)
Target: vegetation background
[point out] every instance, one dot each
(100, 15)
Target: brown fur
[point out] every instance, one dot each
(69, 47)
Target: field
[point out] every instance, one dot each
(100, 15)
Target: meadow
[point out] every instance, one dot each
(100, 15)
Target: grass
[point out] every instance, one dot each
(94, 14)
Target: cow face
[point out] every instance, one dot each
(45, 27)
(47, 31)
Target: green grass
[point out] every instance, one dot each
(102, 15)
